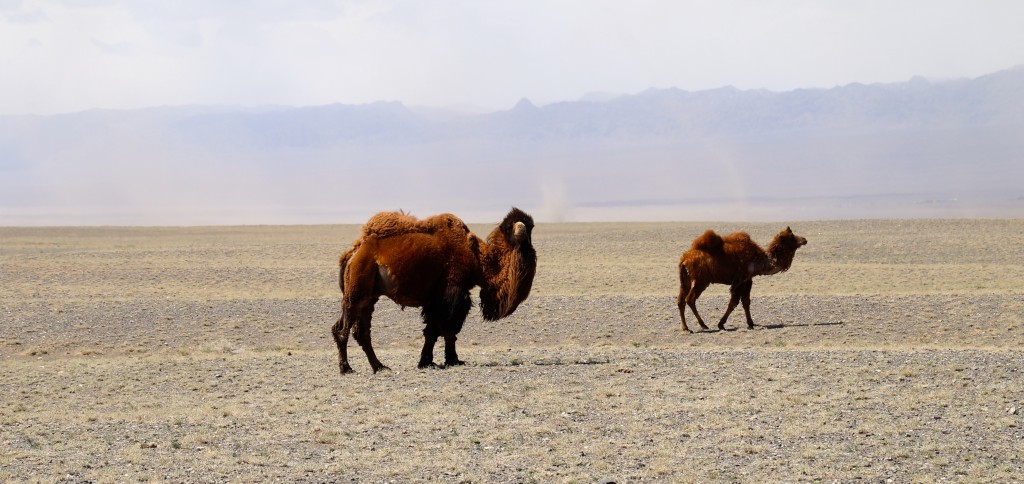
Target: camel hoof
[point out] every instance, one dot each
(454, 363)
(430, 364)
(381, 367)
(346, 369)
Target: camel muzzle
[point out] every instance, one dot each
(519, 232)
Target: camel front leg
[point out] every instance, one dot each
(430, 336)
(745, 297)
(734, 299)
(451, 357)
(446, 317)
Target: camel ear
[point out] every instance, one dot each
(789, 230)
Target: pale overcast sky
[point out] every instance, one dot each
(71, 55)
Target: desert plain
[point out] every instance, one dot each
(891, 351)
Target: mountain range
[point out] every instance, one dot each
(915, 148)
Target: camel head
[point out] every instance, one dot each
(509, 263)
(792, 240)
(515, 229)
(782, 249)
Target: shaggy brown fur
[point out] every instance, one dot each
(432, 264)
(734, 260)
(387, 224)
(508, 267)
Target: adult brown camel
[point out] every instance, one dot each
(734, 260)
(432, 264)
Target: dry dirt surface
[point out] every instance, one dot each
(892, 351)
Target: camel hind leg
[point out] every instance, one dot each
(684, 289)
(697, 288)
(361, 327)
(355, 320)
(359, 271)
(340, 331)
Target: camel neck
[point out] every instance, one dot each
(781, 257)
(507, 278)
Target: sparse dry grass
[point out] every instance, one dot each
(893, 350)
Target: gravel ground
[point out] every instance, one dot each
(891, 351)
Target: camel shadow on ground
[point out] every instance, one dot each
(557, 361)
(804, 325)
(768, 326)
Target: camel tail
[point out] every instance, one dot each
(342, 263)
(684, 283)
(341, 274)
(684, 277)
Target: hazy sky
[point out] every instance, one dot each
(70, 55)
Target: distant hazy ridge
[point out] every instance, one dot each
(949, 148)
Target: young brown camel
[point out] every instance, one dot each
(432, 264)
(734, 260)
